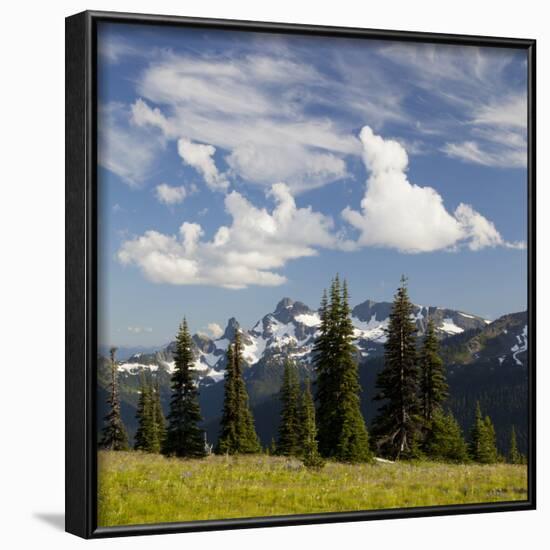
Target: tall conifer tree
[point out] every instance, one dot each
(433, 380)
(237, 431)
(114, 436)
(397, 425)
(184, 438)
(308, 437)
(288, 443)
(325, 384)
(147, 433)
(342, 431)
(483, 439)
(353, 441)
(159, 419)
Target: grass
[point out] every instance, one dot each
(137, 488)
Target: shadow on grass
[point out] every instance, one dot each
(57, 521)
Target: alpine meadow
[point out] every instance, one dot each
(312, 291)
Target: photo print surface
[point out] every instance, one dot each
(312, 274)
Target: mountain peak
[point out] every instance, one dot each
(231, 328)
(287, 309)
(285, 303)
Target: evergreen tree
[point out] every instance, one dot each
(353, 441)
(114, 436)
(342, 431)
(476, 433)
(397, 425)
(159, 419)
(489, 452)
(325, 386)
(184, 437)
(308, 438)
(445, 441)
(147, 433)
(237, 431)
(433, 384)
(483, 439)
(288, 443)
(514, 456)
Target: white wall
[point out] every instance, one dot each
(32, 270)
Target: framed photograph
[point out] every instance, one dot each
(300, 274)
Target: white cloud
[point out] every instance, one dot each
(500, 132)
(499, 157)
(128, 152)
(143, 115)
(256, 109)
(113, 48)
(484, 109)
(215, 330)
(508, 112)
(398, 214)
(168, 194)
(250, 251)
(201, 158)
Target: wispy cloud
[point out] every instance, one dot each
(484, 108)
(125, 150)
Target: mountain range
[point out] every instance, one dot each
(486, 361)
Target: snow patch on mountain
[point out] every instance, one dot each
(370, 330)
(450, 327)
(133, 368)
(521, 346)
(253, 352)
(309, 319)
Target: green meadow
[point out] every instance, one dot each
(138, 488)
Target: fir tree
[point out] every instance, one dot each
(114, 436)
(483, 439)
(237, 431)
(325, 384)
(184, 437)
(288, 443)
(308, 438)
(147, 433)
(159, 419)
(433, 384)
(227, 441)
(514, 456)
(397, 425)
(445, 441)
(342, 431)
(353, 441)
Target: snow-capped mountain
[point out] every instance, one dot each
(291, 329)
(503, 342)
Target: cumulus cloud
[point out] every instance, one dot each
(215, 330)
(201, 158)
(168, 194)
(250, 251)
(398, 214)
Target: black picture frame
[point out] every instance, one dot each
(81, 273)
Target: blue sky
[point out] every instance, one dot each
(237, 168)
